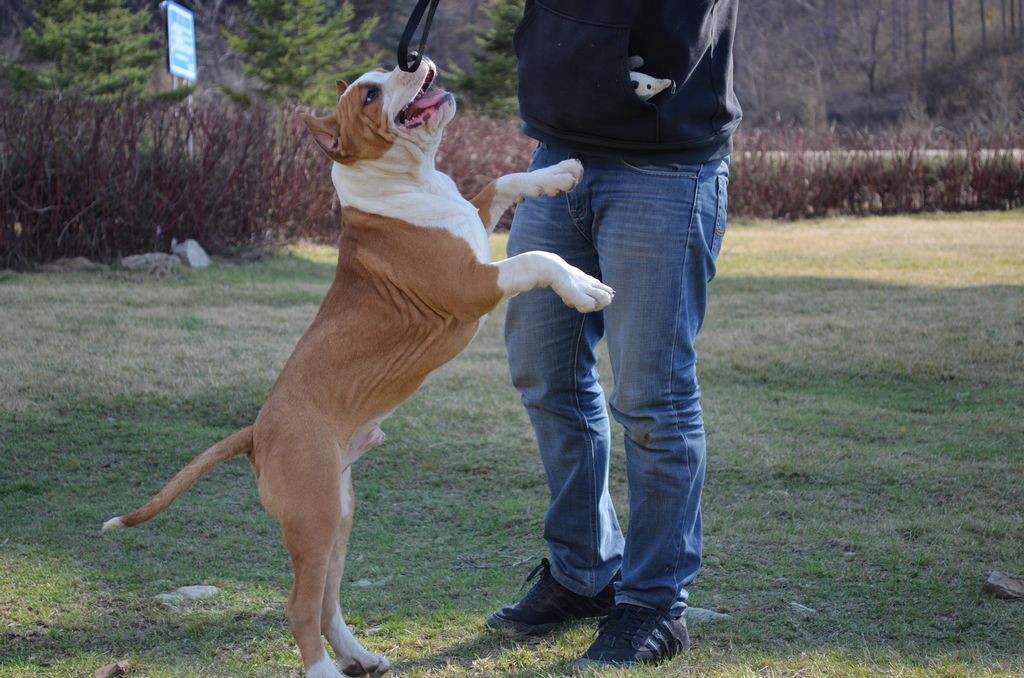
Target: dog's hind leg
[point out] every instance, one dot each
(309, 533)
(353, 658)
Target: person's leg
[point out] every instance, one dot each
(552, 361)
(658, 231)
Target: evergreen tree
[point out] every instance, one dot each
(91, 47)
(491, 83)
(297, 49)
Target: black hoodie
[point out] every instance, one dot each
(574, 85)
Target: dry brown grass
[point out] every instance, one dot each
(933, 251)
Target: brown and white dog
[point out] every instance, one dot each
(412, 285)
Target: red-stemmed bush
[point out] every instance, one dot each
(102, 179)
(791, 173)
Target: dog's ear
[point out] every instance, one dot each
(341, 85)
(325, 133)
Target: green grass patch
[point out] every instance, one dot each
(863, 390)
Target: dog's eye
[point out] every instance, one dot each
(371, 95)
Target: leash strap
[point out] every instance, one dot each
(407, 61)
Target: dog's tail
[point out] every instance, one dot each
(234, 445)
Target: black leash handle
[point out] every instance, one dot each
(410, 62)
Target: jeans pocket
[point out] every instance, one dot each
(533, 156)
(546, 156)
(722, 205)
(679, 170)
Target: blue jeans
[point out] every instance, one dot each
(653, 233)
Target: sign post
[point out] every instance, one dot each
(181, 42)
(181, 52)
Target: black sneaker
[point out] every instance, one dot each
(547, 604)
(636, 635)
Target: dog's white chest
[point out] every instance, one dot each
(431, 201)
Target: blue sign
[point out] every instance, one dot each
(181, 42)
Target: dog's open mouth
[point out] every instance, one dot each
(424, 104)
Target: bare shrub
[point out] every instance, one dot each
(791, 173)
(102, 180)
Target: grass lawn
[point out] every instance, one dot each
(864, 397)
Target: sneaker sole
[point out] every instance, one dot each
(583, 664)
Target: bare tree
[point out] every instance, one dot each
(1020, 18)
(1002, 17)
(894, 39)
(952, 27)
(984, 33)
(862, 38)
(905, 13)
(922, 12)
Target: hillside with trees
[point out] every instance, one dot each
(814, 63)
(851, 107)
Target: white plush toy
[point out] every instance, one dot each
(644, 85)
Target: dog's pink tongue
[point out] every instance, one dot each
(427, 102)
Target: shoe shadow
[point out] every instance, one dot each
(497, 652)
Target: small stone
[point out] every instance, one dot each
(155, 263)
(1004, 585)
(111, 670)
(802, 610)
(197, 592)
(172, 599)
(362, 583)
(192, 253)
(699, 615)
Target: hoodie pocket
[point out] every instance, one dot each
(574, 79)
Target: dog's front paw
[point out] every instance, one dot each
(558, 178)
(583, 292)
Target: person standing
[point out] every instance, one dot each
(648, 219)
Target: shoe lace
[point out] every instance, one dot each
(544, 570)
(631, 623)
(545, 567)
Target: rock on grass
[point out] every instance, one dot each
(802, 610)
(111, 670)
(1004, 586)
(171, 599)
